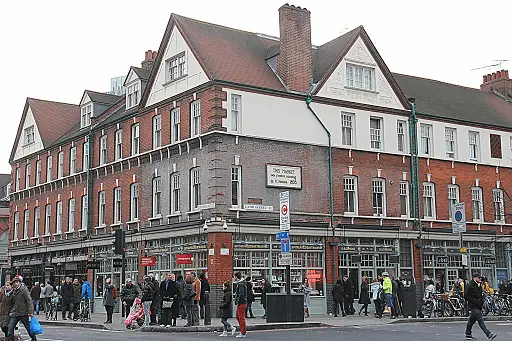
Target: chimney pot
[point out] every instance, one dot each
(149, 59)
(505, 74)
(498, 74)
(485, 79)
(493, 75)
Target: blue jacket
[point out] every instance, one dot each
(87, 290)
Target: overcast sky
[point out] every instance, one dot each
(54, 50)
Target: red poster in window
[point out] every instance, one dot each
(314, 275)
(148, 261)
(184, 258)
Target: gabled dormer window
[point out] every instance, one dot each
(176, 67)
(132, 95)
(86, 115)
(360, 77)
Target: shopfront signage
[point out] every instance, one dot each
(459, 218)
(184, 258)
(490, 261)
(284, 211)
(148, 261)
(26, 270)
(347, 248)
(206, 206)
(442, 260)
(49, 268)
(157, 251)
(117, 263)
(284, 176)
(243, 245)
(9, 271)
(385, 249)
(253, 207)
(367, 249)
(71, 267)
(394, 259)
(93, 265)
(285, 259)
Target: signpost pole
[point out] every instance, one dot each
(284, 217)
(288, 294)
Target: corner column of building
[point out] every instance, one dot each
(331, 270)
(417, 268)
(220, 266)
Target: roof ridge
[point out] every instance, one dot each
(213, 24)
(435, 80)
(45, 100)
(343, 35)
(101, 93)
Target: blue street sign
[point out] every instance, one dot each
(282, 235)
(285, 245)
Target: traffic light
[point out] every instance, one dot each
(118, 242)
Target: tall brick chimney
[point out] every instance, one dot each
(498, 81)
(149, 59)
(294, 62)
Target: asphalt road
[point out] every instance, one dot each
(416, 332)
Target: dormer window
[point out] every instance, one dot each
(132, 95)
(176, 67)
(360, 77)
(29, 135)
(86, 115)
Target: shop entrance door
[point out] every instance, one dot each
(370, 273)
(452, 276)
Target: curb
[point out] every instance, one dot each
(74, 325)
(448, 319)
(211, 329)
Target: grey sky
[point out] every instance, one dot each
(54, 50)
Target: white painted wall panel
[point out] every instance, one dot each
(21, 149)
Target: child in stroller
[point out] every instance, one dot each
(136, 317)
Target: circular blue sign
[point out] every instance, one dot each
(458, 215)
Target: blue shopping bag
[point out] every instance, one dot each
(35, 326)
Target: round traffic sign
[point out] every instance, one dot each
(284, 209)
(458, 216)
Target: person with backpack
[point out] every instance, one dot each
(226, 308)
(241, 303)
(377, 293)
(109, 299)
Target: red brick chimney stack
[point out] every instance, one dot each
(149, 59)
(498, 81)
(294, 62)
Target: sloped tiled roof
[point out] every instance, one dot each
(99, 97)
(455, 102)
(143, 74)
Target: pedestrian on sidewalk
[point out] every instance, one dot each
(48, 294)
(169, 294)
(376, 288)
(42, 298)
(155, 303)
(188, 300)
(306, 290)
(250, 298)
(348, 300)
(337, 297)
(387, 286)
(241, 303)
(396, 304)
(35, 294)
(147, 299)
(128, 295)
(66, 291)
(364, 297)
(109, 299)
(475, 301)
(181, 286)
(204, 302)
(226, 308)
(21, 309)
(6, 304)
(196, 285)
(76, 294)
(264, 291)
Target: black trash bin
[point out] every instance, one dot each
(277, 310)
(409, 306)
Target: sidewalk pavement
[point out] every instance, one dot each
(258, 323)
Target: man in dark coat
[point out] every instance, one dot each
(156, 300)
(22, 309)
(76, 295)
(364, 296)
(170, 296)
(66, 291)
(264, 291)
(35, 294)
(473, 296)
(348, 301)
(338, 296)
(204, 301)
(128, 295)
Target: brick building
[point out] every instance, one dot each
(191, 160)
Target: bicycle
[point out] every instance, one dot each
(85, 311)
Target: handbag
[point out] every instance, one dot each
(167, 304)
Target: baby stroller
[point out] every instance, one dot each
(136, 317)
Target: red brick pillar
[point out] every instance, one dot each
(331, 269)
(220, 266)
(141, 269)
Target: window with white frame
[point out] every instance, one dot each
(404, 198)
(18, 178)
(71, 215)
(26, 222)
(477, 204)
(449, 139)
(38, 172)
(360, 77)
(175, 193)
(474, 149)
(119, 144)
(135, 139)
(85, 157)
(157, 195)
(58, 228)
(376, 132)
(379, 197)
(347, 129)
(175, 125)
(401, 129)
(350, 195)
(117, 205)
(236, 186)
(132, 95)
(429, 200)
(47, 219)
(134, 201)
(499, 209)
(16, 226)
(27, 175)
(195, 121)
(103, 150)
(86, 115)
(426, 139)
(157, 131)
(176, 67)
(29, 136)
(49, 167)
(102, 208)
(453, 198)
(72, 160)
(236, 104)
(195, 188)
(60, 165)
(85, 210)
(37, 216)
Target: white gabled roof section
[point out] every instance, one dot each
(23, 149)
(85, 99)
(335, 86)
(195, 75)
(132, 76)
